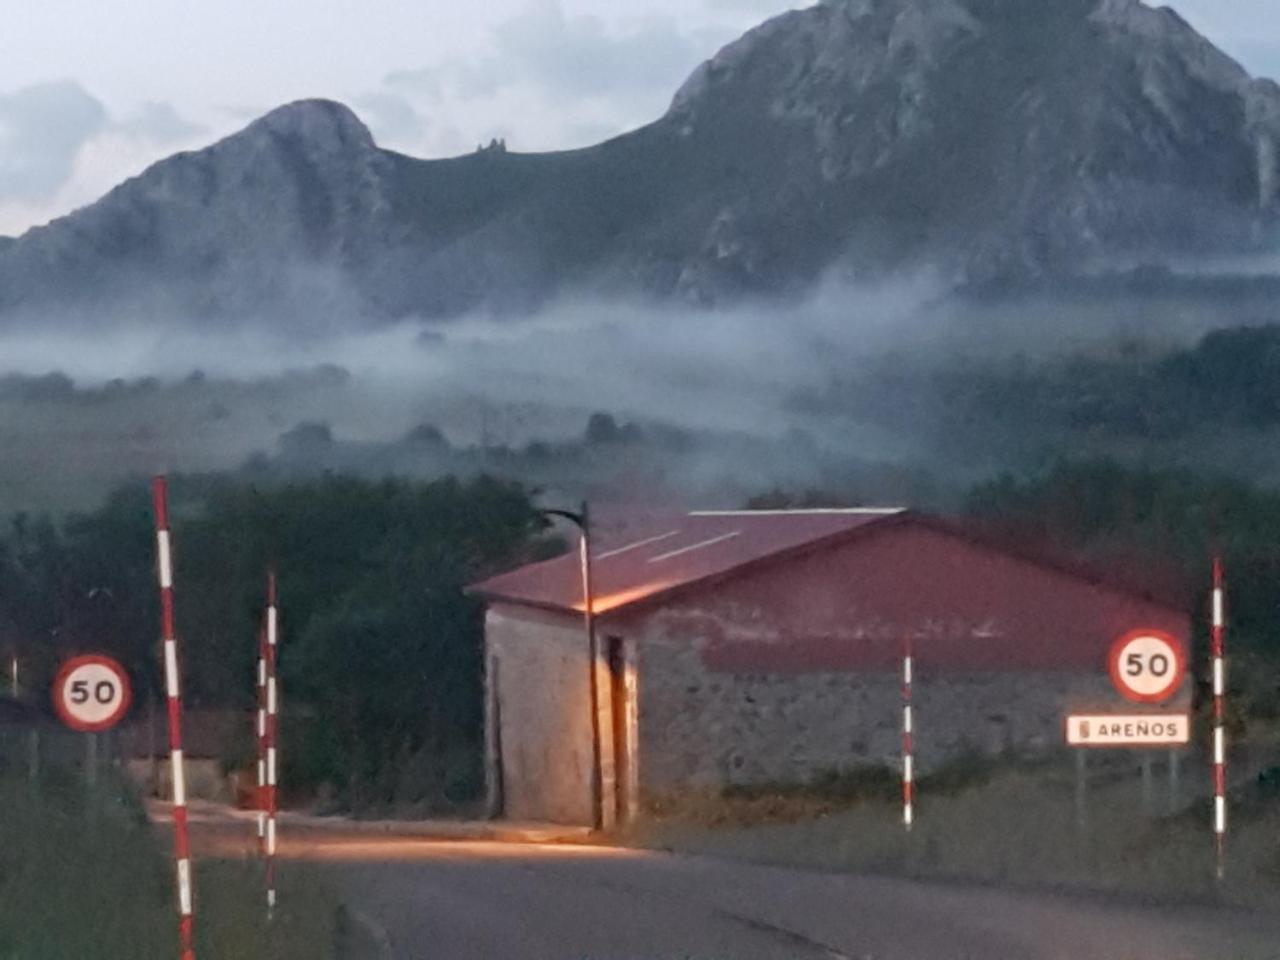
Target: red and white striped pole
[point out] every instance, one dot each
(260, 721)
(169, 640)
(1219, 722)
(273, 705)
(908, 731)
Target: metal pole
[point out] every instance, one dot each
(1147, 802)
(169, 640)
(1175, 787)
(153, 769)
(589, 622)
(1219, 724)
(33, 757)
(91, 761)
(1082, 791)
(14, 671)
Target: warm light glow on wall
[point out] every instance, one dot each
(603, 603)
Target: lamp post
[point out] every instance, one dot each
(582, 520)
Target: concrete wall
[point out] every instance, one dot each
(543, 714)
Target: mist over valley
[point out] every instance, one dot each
(803, 276)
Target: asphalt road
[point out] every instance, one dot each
(473, 900)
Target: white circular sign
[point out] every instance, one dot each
(1146, 665)
(91, 693)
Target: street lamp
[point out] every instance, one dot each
(582, 521)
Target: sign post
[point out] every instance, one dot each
(1128, 729)
(91, 694)
(1146, 667)
(91, 761)
(1082, 792)
(33, 758)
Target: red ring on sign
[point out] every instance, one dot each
(1117, 678)
(59, 683)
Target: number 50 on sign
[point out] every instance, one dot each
(1146, 666)
(91, 693)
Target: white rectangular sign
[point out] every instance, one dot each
(1128, 730)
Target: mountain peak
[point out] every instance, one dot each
(322, 123)
(850, 43)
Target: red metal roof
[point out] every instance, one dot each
(673, 554)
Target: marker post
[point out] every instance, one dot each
(908, 735)
(1216, 645)
(260, 738)
(273, 705)
(173, 690)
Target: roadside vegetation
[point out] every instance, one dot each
(1158, 529)
(1014, 821)
(380, 650)
(1002, 822)
(86, 876)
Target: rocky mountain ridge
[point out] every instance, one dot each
(981, 139)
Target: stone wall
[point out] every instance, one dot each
(789, 669)
(543, 740)
(703, 728)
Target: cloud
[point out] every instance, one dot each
(766, 8)
(1260, 58)
(425, 82)
(394, 121)
(159, 123)
(582, 57)
(547, 79)
(60, 148)
(42, 128)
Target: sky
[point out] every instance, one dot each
(91, 92)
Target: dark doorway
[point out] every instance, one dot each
(619, 712)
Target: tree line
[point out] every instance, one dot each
(381, 648)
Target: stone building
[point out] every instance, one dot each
(762, 646)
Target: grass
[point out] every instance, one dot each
(83, 877)
(1012, 824)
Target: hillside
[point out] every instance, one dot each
(980, 139)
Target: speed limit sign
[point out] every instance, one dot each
(91, 693)
(1146, 665)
